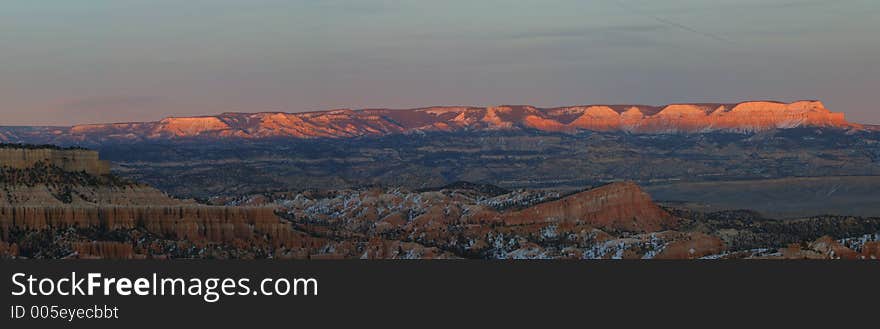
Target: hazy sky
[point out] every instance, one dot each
(65, 62)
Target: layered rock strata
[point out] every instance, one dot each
(752, 116)
(67, 159)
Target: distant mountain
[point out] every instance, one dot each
(753, 116)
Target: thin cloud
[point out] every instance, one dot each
(573, 32)
(671, 23)
(585, 31)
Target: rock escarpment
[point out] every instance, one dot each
(46, 189)
(613, 221)
(67, 159)
(185, 222)
(616, 206)
(42, 195)
(57, 210)
(40, 176)
(753, 116)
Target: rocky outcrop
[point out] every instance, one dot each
(8, 250)
(103, 250)
(67, 159)
(751, 116)
(613, 221)
(186, 222)
(616, 206)
(48, 176)
(79, 195)
(58, 207)
(865, 248)
(692, 246)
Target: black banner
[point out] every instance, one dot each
(454, 294)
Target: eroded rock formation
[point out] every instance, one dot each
(46, 212)
(613, 221)
(67, 159)
(616, 206)
(53, 200)
(190, 222)
(866, 247)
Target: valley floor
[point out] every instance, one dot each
(781, 198)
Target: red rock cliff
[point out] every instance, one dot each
(619, 206)
(750, 116)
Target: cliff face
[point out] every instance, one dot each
(613, 221)
(677, 118)
(42, 195)
(617, 206)
(46, 176)
(57, 194)
(68, 160)
(188, 222)
(54, 204)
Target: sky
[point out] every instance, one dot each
(68, 62)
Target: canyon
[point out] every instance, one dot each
(684, 181)
(54, 194)
(50, 212)
(745, 117)
(613, 221)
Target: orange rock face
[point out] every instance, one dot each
(676, 118)
(871, 250)
(189, 126)
(693, 246)
(615, 221)
(617, 206)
